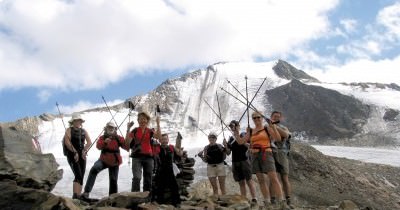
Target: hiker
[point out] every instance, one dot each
(214, 155)
(140, 141)
(261, 138)
(281, 155)
(241, 167)
(110, 158)
(74, 139)
(165, 180)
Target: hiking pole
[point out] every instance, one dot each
(244, 103)
(65, 128)
(258, 90)
(216, 113)
(62, 118)
(220, 115)
(247, 100)
(109, 110)
(197, 126)
(99, 135)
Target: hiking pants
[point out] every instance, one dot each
(147, 163)
(98, 166)
(165, 181)
(78, 168)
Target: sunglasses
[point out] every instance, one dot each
(258, 117)
(212, 137)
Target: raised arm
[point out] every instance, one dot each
(157, 134)
(128, 136)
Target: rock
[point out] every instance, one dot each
(286, 71)
(15, 197)
(348, 205)
(20, 162)
(124, 200)
(47, 117)
(319, 112)
(390, 115)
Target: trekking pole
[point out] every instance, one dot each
(62, 118)
(109, 110)
(197, 126)
(217, 114)
(99, 135)
(247, 100)
(244, 103)
(220, 115)
(258, 90)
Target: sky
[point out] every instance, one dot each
(75, 52)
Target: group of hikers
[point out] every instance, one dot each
(149, 150)
(262, 150)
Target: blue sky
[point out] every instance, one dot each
(74, 52)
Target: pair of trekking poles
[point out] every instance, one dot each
(131, 107)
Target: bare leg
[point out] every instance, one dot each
(263, 186)
(252, 189)
(275, 185)
(221, 180)
(242, 185)
(287, 188)
(213, 182)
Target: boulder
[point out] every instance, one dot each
(16, 197)
(129, 200)
(19, 161)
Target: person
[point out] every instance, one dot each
(74, 139)
(214, 155)
(281, 154)
(165, 177)
(110, 158)
(241, 167)
(140, 141)
(261, 138)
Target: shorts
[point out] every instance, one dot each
(241, 170)
(263, 162)
(214, 170)
(281, 162)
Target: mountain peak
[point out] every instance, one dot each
(286, 71)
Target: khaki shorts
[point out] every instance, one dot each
(214, 170)
(281, 162)
(263, 162)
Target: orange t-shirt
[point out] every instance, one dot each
(260, 140)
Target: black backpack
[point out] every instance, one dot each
(214, 150)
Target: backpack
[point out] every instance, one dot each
(136, 145)
(216, 156)
(65, 149)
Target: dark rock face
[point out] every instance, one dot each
(390, 115)
(286, 71)
(318, 179)
(319, 112)
(20, 162)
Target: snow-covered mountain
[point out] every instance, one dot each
(358, 114)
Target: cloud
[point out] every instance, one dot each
(360, 70)
(379, 37)
(44, 95)
(389, 17)
(76, 44)
(349, 25)
(84, 105)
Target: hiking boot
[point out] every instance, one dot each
(281, 205)
(267, 205)
(85, 196)
(253, 203)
